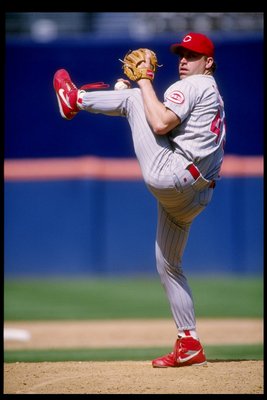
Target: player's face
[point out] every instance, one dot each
(191, 63)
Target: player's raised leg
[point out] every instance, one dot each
(153, 152)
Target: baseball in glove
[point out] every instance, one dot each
(132, 65)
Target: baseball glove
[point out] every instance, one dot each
(132, 65)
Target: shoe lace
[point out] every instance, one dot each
(70, 85)
(181, 347)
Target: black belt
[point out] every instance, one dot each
(195, 174)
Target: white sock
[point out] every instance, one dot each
(188, 332)
(80, 98)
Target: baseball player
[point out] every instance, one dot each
(179, 144)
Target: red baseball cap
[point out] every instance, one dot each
(196, 42)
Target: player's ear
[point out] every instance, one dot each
(209, 62)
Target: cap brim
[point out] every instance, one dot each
(176, 48)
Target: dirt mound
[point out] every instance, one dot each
(129, 377)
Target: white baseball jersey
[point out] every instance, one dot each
(197, 102)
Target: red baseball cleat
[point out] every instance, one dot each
(187, 351)
(67, 93)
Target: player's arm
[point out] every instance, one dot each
(161, 119)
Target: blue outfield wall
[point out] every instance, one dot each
(91, 227)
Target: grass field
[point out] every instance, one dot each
(126, 298)
(251, 352)
(84, 299)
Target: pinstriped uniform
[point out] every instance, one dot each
(163, 160)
